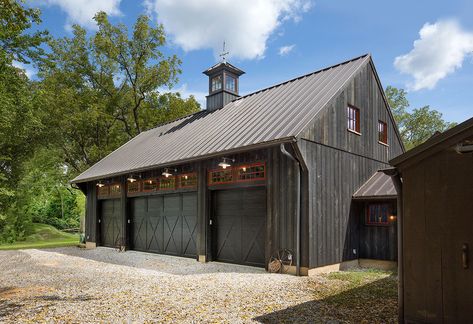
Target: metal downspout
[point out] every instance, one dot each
(298, 209)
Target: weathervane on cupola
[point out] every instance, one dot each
(223, 54)
(223, 82)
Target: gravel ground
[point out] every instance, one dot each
(72, 285)
(104, 285)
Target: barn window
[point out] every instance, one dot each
(134, 187)
(220, 176)
(103, 191)
(382, 132)
(150, 185)
(217, 83)
(251, 172)
(167, 183)
(230, 83)
(377, 214)
(353, 115)
(115, 190)
(188, 180)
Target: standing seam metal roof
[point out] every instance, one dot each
(278, 113)
(379, 185)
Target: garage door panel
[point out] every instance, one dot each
(110, 228)
(170, 224)
(154, 228)
(189, 224)
(139, 209)
(240, 217)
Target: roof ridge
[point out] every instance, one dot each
(303, 76)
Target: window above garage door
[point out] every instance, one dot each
(240, 173)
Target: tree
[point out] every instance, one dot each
(98, 92)
(417, 126)
(19, 126)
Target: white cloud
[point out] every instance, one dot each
(82, 12)
(439, 51)
(285, 50)
(245, 25)
(28, 69)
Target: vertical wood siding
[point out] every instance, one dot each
(339, 162)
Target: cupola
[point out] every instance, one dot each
(223, 84)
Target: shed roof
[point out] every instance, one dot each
(378, 186)
(275, 114)
(435, 144)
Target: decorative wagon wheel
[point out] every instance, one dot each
(281, 261)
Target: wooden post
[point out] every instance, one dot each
(125, 217)
(202, 213)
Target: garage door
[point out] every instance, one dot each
(165, 224)
(110, 228)
(239, 226)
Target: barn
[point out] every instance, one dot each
(292, 167)
(435, 182)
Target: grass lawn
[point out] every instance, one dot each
(359, 296)
(43, 236)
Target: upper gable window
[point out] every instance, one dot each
(217, 83)
(230, 83)
(382, 132)
(353, 119)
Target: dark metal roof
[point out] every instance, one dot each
(268, 116)
(436, 143)
(379, 185)
(221, 66)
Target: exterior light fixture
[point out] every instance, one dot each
(131, 179)
(243, 169)
(167, 173)
(100, 184)
(185, 177)
(225, 163)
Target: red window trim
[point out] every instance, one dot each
(192, 174)
(384, 140)
(209, 176)
(110, 189)
(356, 118)
(140, 187)
(103, 196)
(367, 215)
(149, 190)
(166, 189)
(249, 166)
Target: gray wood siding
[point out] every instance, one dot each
(377, 242)
(281, 202)
(334, 175)
(330, 128)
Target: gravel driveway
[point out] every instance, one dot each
(104, 285)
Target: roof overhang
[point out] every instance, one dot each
(189, 160)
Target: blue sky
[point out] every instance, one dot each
(275, 40)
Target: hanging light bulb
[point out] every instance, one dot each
(100, 184)
(225, 163)
(166, 173)
(131, 179)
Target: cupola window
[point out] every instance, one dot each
(217, 83)
(230, 83)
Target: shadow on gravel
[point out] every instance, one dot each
(7, 307)
(369, 303)
(59, 298)
(150, 261)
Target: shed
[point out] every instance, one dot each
(435, 181)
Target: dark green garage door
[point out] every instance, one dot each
(239, 226)
(110, 228)
(165, 224)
